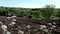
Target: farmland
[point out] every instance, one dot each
(44, 20)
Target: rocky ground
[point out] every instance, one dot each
(21, 25)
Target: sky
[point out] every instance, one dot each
(29, 3)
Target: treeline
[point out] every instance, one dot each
(47, 12)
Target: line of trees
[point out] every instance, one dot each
(47, 12)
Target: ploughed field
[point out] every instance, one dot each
(22, 25)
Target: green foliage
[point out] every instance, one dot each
(48, 12)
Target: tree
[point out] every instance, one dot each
(47, 11)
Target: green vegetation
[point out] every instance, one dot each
(47, 12)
